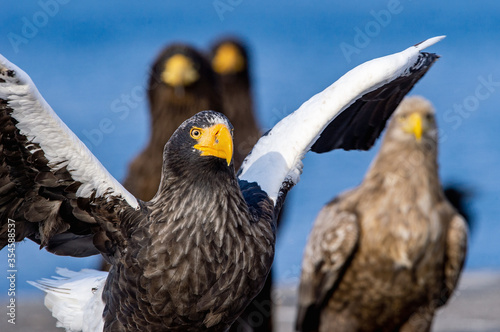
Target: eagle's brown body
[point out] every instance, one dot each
(386, 255)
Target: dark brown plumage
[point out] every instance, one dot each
(196, 286)
(385, 255)
(181, 84)
(226, 229)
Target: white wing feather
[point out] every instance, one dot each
(41, 125)
(75, 299)
(278, 155)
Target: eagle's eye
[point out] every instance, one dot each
(195, 133)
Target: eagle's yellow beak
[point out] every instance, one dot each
(414, 125)
(228, 59)
(179, 71)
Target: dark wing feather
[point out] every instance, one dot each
(69, 244)
(29, 188)
(42, 197)
(361, 123)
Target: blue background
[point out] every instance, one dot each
(90, 58)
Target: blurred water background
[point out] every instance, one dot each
(90, 61)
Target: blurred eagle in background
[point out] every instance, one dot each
(385, 255)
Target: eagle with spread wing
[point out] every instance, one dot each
(194, 256)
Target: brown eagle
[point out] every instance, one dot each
(385, 255)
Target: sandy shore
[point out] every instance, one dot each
(474, 307)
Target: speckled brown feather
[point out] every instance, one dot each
(411, 243)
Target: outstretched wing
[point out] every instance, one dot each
(349, 114)
(331, 245)
(48, 177)
(361, 124)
